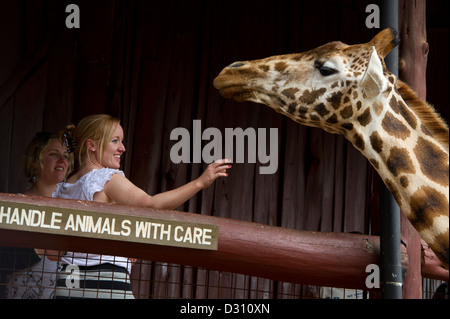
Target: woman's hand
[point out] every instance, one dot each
(214, 171)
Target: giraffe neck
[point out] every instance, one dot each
(413, 163)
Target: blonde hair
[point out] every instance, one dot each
(35, 152)
(98, 128)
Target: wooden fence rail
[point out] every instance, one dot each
(304, 257)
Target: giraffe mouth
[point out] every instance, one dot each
(238, 93)
(233, 90)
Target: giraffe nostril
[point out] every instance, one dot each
(236, 65)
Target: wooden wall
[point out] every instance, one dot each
(152, 64)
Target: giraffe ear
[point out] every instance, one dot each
(373, 81)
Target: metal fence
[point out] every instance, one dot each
(26, 276)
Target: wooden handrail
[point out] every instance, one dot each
(305, 257)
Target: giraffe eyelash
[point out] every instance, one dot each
(324, 70)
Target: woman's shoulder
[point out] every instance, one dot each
(85, 186)
(102, 175)
(96, 179)
(107, 171)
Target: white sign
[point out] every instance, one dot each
(72, 222)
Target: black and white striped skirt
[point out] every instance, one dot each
(105, 281)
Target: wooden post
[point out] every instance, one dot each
(412, 70)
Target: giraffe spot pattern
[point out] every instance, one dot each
(347, 126)
(264, 67)
(427, 203)
(388, 91)
(335, 100)
(433, 161)
(302, 112)
(332, 119)
(394, 127)
(347, 112)
(377, 108)
(292, 107)
(358, 141)
(321, 109)
(376, 142)
(290, 93)
(399, 161)
(278, 101)
(402, 109)
(365, 118)
(314, 118)
(374, 163)
(404, 181)
(280, 66)
(358, 105)
(308, 97)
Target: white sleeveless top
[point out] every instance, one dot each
(84, 189)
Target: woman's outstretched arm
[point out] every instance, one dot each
(120, 190)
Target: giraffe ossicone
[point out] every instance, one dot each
(347, 89)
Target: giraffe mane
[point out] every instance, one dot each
(427, 114)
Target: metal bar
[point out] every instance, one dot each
(390, 241)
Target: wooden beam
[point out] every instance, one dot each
(431, 265)
(330, 259)
(304, 257)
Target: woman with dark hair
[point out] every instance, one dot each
(30, 273)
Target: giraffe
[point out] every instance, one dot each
(347, 89)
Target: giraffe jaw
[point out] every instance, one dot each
(236, 92)
(241, 94)
(232, 88)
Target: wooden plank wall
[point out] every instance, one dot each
(152, 65)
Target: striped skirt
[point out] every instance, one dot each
(105, 281)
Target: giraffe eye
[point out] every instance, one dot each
(326, 71)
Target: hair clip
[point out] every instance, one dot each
(69, 142)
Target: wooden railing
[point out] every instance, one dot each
(304, 257)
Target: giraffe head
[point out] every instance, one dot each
(322, 87)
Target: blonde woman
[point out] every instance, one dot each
(97, 143)
(47, 163)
